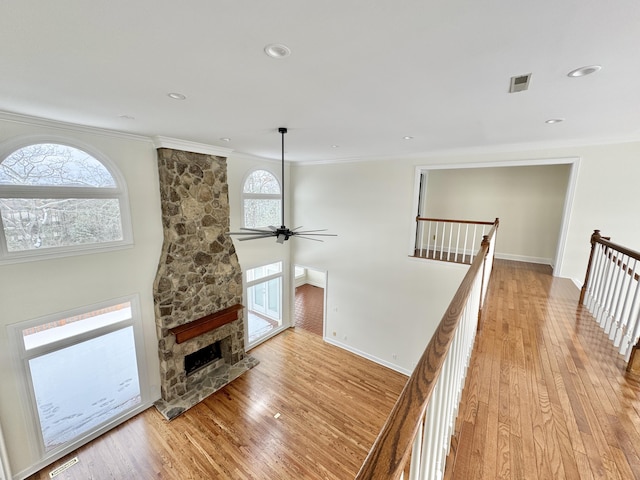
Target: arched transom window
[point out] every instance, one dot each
(261, 199)
(57, 198)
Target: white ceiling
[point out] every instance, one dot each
(362, 73)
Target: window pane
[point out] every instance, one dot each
(261, 212)
(264, 308)
(263, 271)
(82, 386)
(32, 223)
(51, 332)
(261, 181)
(54, 165)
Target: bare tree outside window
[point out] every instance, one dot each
(57, 196)
(261, 200)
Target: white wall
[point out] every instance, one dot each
(316, 278)
(380, 303)
(529, 201)
(37, 288)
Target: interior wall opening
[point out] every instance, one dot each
(309, 299)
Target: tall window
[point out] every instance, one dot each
(261, 200)
(81, 369)
(264, 301)
(56, 198)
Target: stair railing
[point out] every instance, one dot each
(449, 240)
(417, 434)
(611, 293)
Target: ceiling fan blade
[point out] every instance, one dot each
(311, 231)
(261, 230)
(266, 234)
(254, 237)
(309, 238)
(316, 234)
(273, 228)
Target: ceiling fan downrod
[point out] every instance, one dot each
(283, 233)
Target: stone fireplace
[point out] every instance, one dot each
(198, 285)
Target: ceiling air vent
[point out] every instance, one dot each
(519, 83)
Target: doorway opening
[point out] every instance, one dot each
(310, 299)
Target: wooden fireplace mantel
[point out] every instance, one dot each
(205, 324)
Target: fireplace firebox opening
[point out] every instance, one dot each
(202, 358)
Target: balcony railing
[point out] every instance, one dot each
(611, 293)
(416, 437)
(449, 240)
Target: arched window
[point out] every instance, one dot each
(261, 200)
(56, 198)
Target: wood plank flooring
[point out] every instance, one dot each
(546, 396)
(331, 403)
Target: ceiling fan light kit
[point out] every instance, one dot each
(283, 233)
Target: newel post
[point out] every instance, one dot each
(484, 243)
(594, 239)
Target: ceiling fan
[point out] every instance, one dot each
(282, 233)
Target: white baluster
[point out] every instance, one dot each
(615, 293)
(466, 236)
(625, 314)
(416, 454)
(606, 289)
(435, 240)
(617, 320)
(597, 279)
(633, 325)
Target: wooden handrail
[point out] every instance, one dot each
(390, 451)
(619, 248)
(606, 241)
(445, 220)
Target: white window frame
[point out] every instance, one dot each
(248, 284)
(18, 191)
(259, 196)
(20, 357)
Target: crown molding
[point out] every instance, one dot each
(74, 127)
(187, 146)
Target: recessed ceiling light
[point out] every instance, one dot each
(335, 146)
(582, 71)
(176, 96)
(277, 50)
(225, 139)
(407, 137)
(554, 120)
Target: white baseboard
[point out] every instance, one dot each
(524, 258)
(313, 284)
(360, 353)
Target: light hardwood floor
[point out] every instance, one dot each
(332, 405)
(547, 396)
